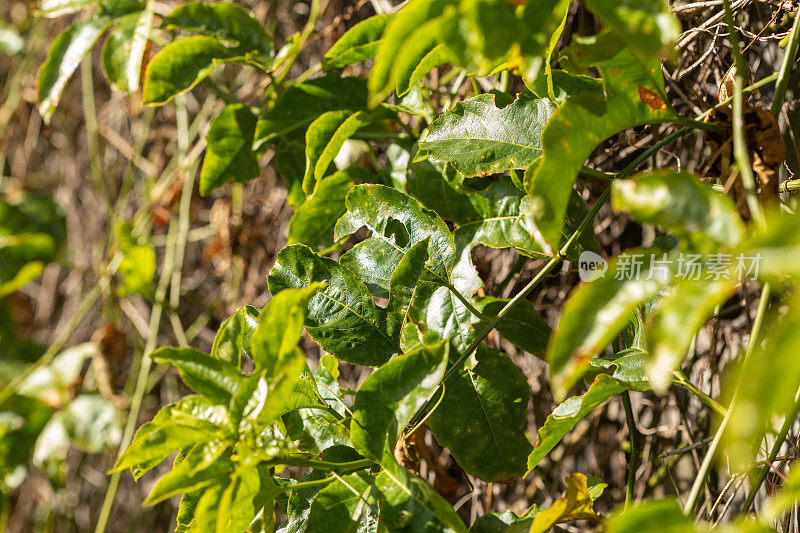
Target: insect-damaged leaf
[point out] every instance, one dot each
(478, 137)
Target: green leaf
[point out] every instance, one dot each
(483, 415)
(343, 318)
(438, 191)
(681, 204)
(390, 396)
(274, 343)
(359, 43)
(506, 522)
(229, 155)
(305, 101)
(409, 504)
(324, 138)
(479, 137)
(661, 515)
(341, 506)
(224, 21)
(597, 311)
(234, 335)
(313, 221)
(124, 50)
(397, 42)
(215, 379)
(185, 477)
(424, 53)
(64, 56)
(679, 317)
(191, 420)
(567, 415)
(634, 96)
(648, 27)
(522, 326)
(397, 222)
(181, 65)
(138, 265)
(566, 85)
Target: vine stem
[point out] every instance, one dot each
(702, 473)
(777, 104)
(630, 488)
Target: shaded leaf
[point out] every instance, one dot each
(234, 335)
(305, 101)
(648, 27)
(483, 415)
(324, 138)
(229, 153)
(522, 325)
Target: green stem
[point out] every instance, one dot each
(630, 488)
(681, 380)
(304, 462)
(788, 422)
(786, 67)
(702, 473)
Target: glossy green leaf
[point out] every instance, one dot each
(566, 85)
(681, 204)
(191, 420)
(306, 101)
(479, 137)
(224, 21)
(597, 311)
(409, 504)
(324, 138)
(180, 66)
(397, 222)
(423, 53)
(138, 265)
(215, 379)
(343, 317)
(313, 221)
(343, 506)
(483, 415)
(506, 522)
(229, 153)
(64, 56)
(437, 190)
(390, 396)
(124, 50)
(679, 317)
(634, 96)
(359, 43)
(235, 335)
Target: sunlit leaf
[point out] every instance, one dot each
(124, 50)
(359, 43)
(229, 154)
